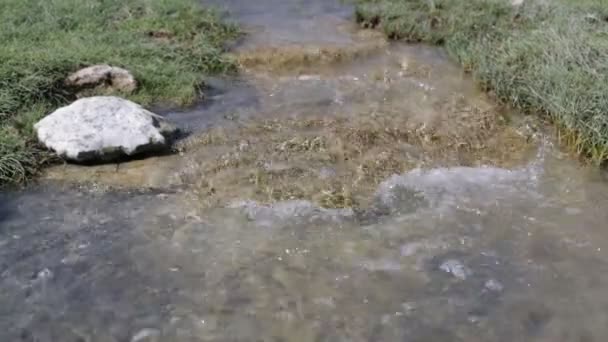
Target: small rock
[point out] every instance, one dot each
(309, 78)
(147, 335)
(45, 274)
(103, 128)
(244, 145)
(456, 268)
(104, 76)
(494, 285)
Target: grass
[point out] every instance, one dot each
(44, 41)
(547, 57)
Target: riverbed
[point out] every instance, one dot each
(340, 188)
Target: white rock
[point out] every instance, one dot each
(103, 128)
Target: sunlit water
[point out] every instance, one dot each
(442, 254)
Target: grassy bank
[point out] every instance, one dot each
(546, 56)
(167, 44)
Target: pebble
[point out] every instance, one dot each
(455, 268)
(45, 274)
(147, 335)
(494, 285)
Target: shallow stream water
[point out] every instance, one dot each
(446, 251)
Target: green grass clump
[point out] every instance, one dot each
(545, 56)
(169, 45)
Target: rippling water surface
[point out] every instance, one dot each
(466, 253)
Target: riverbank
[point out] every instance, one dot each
(540, 57)
(168, 45)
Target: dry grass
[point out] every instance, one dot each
(339, 162)
(290, 58)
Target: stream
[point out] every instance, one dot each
(341, 188)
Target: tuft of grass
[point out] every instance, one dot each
(543, 57)
(169, 45)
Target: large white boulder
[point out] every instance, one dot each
(103, 128)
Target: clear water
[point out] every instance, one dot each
(272, 22)
(443, 254)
